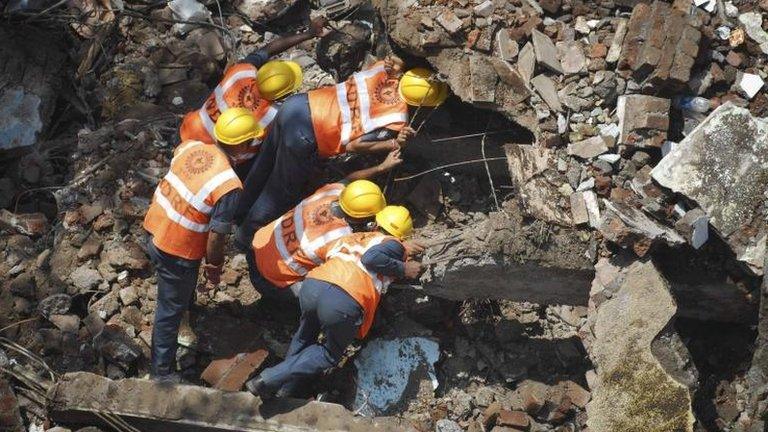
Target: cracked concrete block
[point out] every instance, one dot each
(483, 79)
(721, 165)
(633, 390)
(159, 407)
(614, 51)
(531, 170)
(629, 227)
(527, 62)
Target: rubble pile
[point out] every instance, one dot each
(622, 203)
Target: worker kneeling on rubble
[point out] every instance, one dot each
(339, 298)
(366, 113)
(190, 216)
(288, 248)
(256, 84)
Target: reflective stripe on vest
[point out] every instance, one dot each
(307, 247)
(354, 254)
(365, 102)
(182, 204)
(207, 120)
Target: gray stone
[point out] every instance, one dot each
(546, 88)
(484, 79)
(530, 168)
(527, 62)
(484, 9)
(753, 24)
(66, 323)
(129, 295)
(572, 57)
(588, 148)
(546, 52)
(614, 52)
(629, 227)
(579, 209)
(643, 120)
(449, 21)
(56, 304)
(721, 166)
(633, 390)
(694, 226)
(508, 48)
(85, 278)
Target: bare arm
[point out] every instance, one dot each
(392, 160)
(316, 28)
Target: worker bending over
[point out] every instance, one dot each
(256, 84)
(366, 113)
(288, 248)
(190, 216)
(339, 298)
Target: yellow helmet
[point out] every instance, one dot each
(277, 78)
(395, 220)
(361, 199)
(417, 88)
(236, 126)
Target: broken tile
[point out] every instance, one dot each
(579, 209)
(449, 21)
(694, 226)
(484, 78)
(573, 60)
(508, 48)
(484, 9)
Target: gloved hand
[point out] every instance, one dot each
(213, 273)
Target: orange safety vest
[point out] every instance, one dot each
(295, 243)
(200, 174)
(345, 269)
(238, 88)
(367, 101)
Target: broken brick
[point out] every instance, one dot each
(231, 374)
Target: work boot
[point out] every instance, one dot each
(259, 388)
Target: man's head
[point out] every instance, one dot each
(235, 130)
(360, 201)
(395, 220)
(278, 78)
(418, 87)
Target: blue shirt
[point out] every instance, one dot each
(386, 258)
(257, 58)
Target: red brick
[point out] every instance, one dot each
(517, 420)
(230, 374)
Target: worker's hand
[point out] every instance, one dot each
(413, 269)
(319, 26)
(212, 273)
(405, 133)
(393, 159)
(413, 248)
(394, 66)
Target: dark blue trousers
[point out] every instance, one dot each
(324, 308)
(176, 282)
(278, 179)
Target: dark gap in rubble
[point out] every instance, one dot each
(721, 353)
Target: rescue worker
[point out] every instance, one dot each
(339, 298)
(366, 113)
(190, 216)
(297, 242)
(256, 84)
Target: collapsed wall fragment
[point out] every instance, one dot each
(723, 167)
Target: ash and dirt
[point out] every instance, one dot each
(509, 290)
